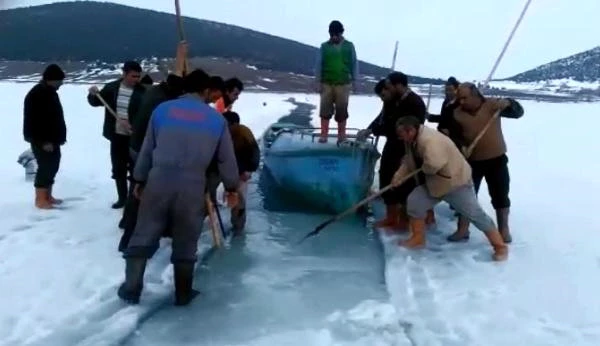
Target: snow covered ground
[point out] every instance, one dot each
(560, 86)
(59, 269)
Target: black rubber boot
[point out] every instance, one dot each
(462, 231)
(238, 221)
(121, 192)
(124, 241)
(184, 278)
(131, 290)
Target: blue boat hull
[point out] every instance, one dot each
(323, 177)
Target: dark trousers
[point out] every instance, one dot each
(130, 215)
(495, 172)
(121, 162)
(169, 202)
(48, 164)
(391, 158)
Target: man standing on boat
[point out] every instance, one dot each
(336, 72)
(488, 159)
(399, 101)
(183, 137)
(447, 177)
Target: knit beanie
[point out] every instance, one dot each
(336, 28)
(53, 72)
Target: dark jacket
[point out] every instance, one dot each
(446, 121)
(43, 118)
(109, 93)
(410, 104)
(155, 95)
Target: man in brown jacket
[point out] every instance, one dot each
(488, 159)
(447, 178)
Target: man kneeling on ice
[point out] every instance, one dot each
(182, 138)
(447, 178)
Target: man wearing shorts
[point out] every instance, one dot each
(336, 71)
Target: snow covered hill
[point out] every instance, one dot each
(581, 70)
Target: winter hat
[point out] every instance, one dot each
(232, 117)
(398, 78)
(53, 72)
(336, 28)
(453, 82)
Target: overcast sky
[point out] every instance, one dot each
(437, 38)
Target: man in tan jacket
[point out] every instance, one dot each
(488, 159)
(447, 178)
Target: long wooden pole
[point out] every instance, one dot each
(393, 67)
(489, 77)
(186, 67)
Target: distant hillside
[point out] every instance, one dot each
(581, 67)
(89, 31)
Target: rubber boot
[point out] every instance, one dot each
(42, 200)
(56, 201)
(324, 130)
(238, 221)
(403, 220)
(417, 236)
(500, 248)
(462, 231)
(341, 131)
(131, 290)
(121, 192)
(391, 217)
(502, 221)
(430, 218)
(184, 278)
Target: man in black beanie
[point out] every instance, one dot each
(44, 128)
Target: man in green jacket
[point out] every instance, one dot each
(336, 72)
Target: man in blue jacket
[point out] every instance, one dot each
(182, 138)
